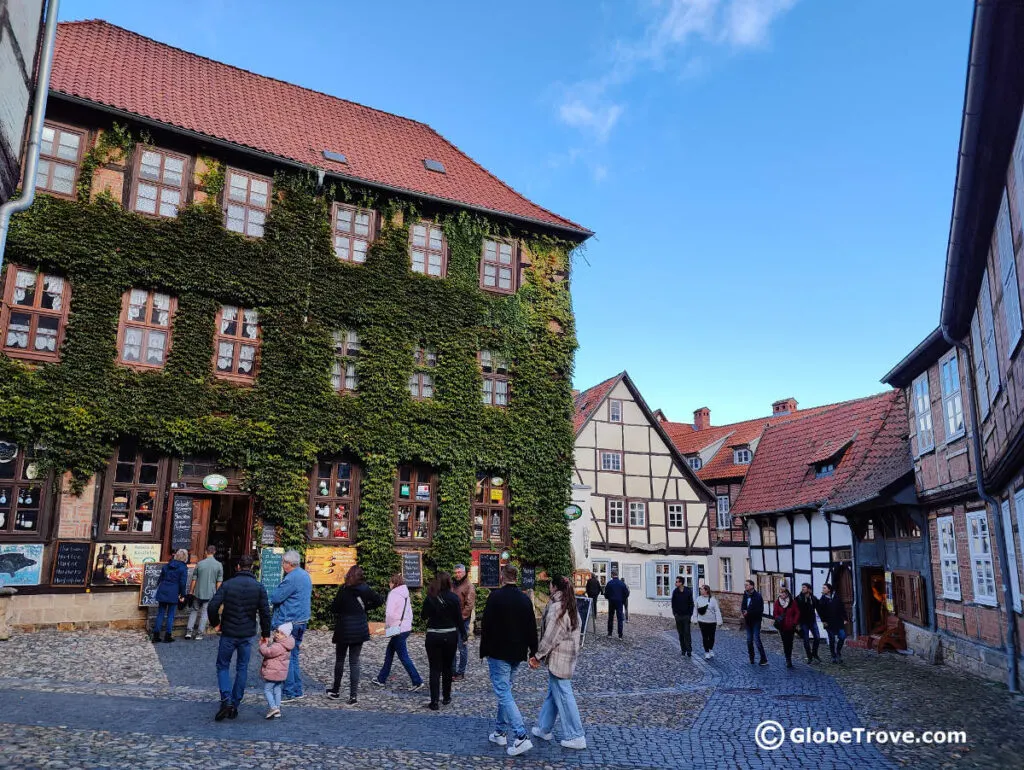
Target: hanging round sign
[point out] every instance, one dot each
(573, 512)
(8, 451)
(504, 555)
(215, 482)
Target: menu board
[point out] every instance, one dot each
(71, 564)
(412, 568)
(271, 568)
(583, 606)
(150, 581)
(490, 570)
(529, 578)
(181, 523)
(328, 565)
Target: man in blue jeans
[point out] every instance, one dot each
(462, 586)
(833, 615)
(616, 592)
(291, 602)
(508, 637)
(752, 610)
(240, 608)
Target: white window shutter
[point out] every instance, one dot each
(980, 377)
(1011, 553)
(1018, 170)
(988, 331)
(651, 581)
(1008, 274)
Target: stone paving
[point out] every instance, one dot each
(110, 699)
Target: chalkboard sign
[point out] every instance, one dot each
(584, 605)
(490, 570)
(529, 578)
(181, 523)
(412, 568)
(271, 568)
(150, 581)
(269, 534)
(71, 564)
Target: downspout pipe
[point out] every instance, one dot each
(28, 187)
(979, 473)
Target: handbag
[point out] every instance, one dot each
(703, 610)
(396, 630)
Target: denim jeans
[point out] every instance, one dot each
(241, 649)
(807, 631)
(273, 692)
(397, 645)
(166, 610)
(460, 669)
(614, 611)
(835, 642)
(198, 608)
(560, 702)
(508, 718)
(754, 635)
(293, 683)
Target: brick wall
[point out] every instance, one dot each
(75, 511)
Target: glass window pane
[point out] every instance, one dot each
(435, 238)
(359, 250)
(490, 251)
(434, 267)
(343, 223)
(147, 473)
(161, 314)
(63, 178)
(225, 356)
(235, 219)
(363, 223)
(131, 350)
(341, 247)
(505, 278)
(169, 200)
(505, 254)
(145, 199)
(155, 345)
(53, 290)
(68, 146)
(229, 320)
(419, 235)
(173, 168)
(246, 359)
(46, 145)
(46, 334)
(25, 288)
(238, 188)
(149, 168)
(249, 328)
(419, 264)
(258, 192)
(43, 175)
(18, 330)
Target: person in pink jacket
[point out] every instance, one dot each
(276, 656)
(398, 625)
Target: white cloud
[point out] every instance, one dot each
(748, 21)
(598, 119)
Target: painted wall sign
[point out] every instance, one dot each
(328, 565)
(215, 482)
(573, 512)
(21, 564)
(122, 563)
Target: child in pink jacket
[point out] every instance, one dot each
(275, 666)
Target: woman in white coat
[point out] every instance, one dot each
(708, 615)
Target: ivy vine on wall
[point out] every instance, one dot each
(274, 430)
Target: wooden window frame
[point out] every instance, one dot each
(920, 391)
(976, 555)
(485, 510)
(952, 398)
(12, 489)
(611, 410)
(499, 265)
(720, 512)
(146, 327)
(769, 527)
(496, 375)
(424, 361)
(669, 580)
(346, 353)
(609, 452)
(912, 594)
(643, 509)
(352, 237)
(622, 512)
(427, 251)
(695, 463)
(53, 158)
(111, 486)
(725, 564)
(247, 206)
(35, 312)
(183, 189)
(743, 451)
(949, 561)
(416, 475)
(682, 514)
(332, 500)
(238, 341)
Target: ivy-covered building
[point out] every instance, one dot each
(244, 313)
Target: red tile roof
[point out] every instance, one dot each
(782, 476)
(588, 400)
(108, 65)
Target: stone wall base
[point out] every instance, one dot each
(961, 654)
(70, 612)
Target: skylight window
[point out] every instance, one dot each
(434, 165)
(337, 157)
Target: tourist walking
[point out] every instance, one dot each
(276, 659)
(808, 604)
(708, 615)
(397, 627)
(752, 610)
(559, 648)
(206, 579)
(508, 637)
(787, 620)
(170, 589)
(292, 601)
(442, 613)
(351, 630)
(466, 591)
(833, 616)
(616, 592)
(682, 610)
(593, 591)
(241, 609)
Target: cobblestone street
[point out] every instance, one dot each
(110, 699)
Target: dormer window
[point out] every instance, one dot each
(742, 456)
(825, 469)
(695, 462)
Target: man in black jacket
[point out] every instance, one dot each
(235, 608)
(682, 609)
(833, 615)
(808, 606)
(752, 609)
(593, 591)
(508, 637)
(616, 592)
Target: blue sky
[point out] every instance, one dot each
(770, 181)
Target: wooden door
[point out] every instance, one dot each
(200, 526)
(843, 586)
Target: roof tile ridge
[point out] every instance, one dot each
(826, 409)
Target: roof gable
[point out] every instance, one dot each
(107, 65)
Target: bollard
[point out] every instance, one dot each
(6, 594)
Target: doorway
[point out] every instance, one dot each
(842, 583)
(224, 521)
(873, 593)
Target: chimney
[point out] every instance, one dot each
(785, 406)
(702, 418)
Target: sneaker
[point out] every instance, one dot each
(789, 664)
(498, 738)
(576, 743)
(225, 707)
(763, 662)
(707, 656)
(352, 701)
(273, 713)
(188, 634)
(376, 682)
(290, 698)
(278, 714)
(198, 637)
(445, 701)
(458, 677)
(415, 687)
(519, 746)
(711, 653)
(156, 638)
(541, 734)
(432, 706)
(332, 695)
(232, 712)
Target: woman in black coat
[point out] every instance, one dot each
(442, 612)
(351, 629)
